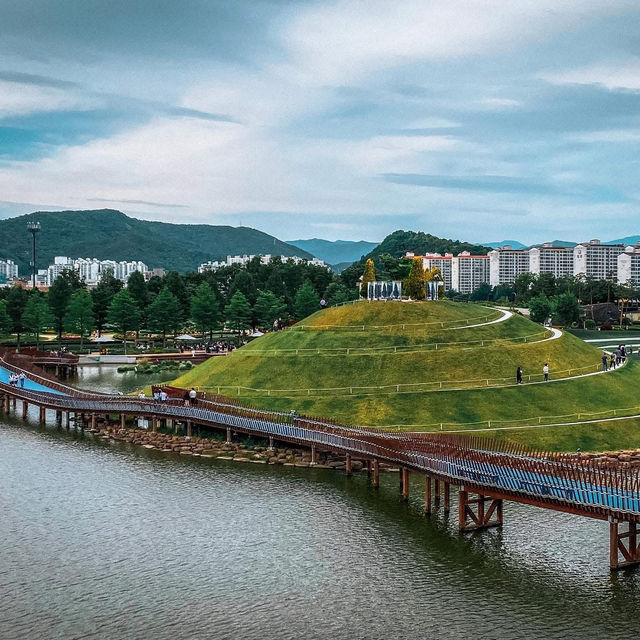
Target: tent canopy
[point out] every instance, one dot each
(185, 336)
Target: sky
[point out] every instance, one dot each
(480, 120)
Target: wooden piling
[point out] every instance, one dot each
(405, 483)
(427, 494)
(376, 474)
(348, 469)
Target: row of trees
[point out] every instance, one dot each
(236, 297)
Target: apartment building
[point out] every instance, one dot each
(468, 272)
(596, 260)
(212, 265)
(443, 262)
(506, 264)
(549, 259)
(629, 266)
(8, 270)
(91, 269)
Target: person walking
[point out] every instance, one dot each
(604, 361)
(186, 397)
(545, 371)
(519, 375)
(619, 355)
(22, 378)
(612, 361)
(193, 396)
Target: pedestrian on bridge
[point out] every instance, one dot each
(193, 397)
(22, 378)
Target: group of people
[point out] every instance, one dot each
(190, 396)
(545, 373)
(17, 380)
(208, 347)
(615, 358)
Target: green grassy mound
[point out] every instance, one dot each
(384, 376)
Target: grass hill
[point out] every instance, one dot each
(377, 364)
(336, 252)
(107, 233)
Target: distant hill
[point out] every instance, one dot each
(340, 267)
(337, 251)
(629, 240)
(563, 243)
(497, 245)
(106, 233)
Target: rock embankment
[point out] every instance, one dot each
(209, 448)
(613, 459)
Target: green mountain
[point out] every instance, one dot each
(106, 233)
(399, 242)
(337, 251)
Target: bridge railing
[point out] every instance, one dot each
(547, 477)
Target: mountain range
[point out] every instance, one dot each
(110, 234)
(336, 252)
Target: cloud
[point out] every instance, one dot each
(610, 75)
(342, 41)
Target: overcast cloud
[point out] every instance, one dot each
(477, 119)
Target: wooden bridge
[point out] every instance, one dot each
(486, 472)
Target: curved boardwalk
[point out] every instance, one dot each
(486, 472)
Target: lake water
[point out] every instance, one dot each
(103, 540)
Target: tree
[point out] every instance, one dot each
(268, 309)
(566, 309)
(238, 312)
(16, 303)
(137, 287)
(307, 300)
(336, 293)
(175, 283)
(540, 308)
(522, 285)
(102, 297)
(5, 321)
(59, 295)
(414, 285)
(368, 276)
(79, 315)
(124, 314)
(164, 314)
(244, 283)
(36, 316)
(205, 310)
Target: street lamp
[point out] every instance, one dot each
(33, 228)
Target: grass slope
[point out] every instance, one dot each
(107, 233)
(424, 411)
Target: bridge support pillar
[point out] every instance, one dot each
(25, 408)
(447, 497)
(59, 418)
(14, 403)
(624, 547)
(313, 454)
(427, 494)
(93, 420)
(6, 403)
(123, 421)
(347, 465)
(228, 441)
(154, 424)
(67, 419)
(436, 493)
(43, 415)
(376, 474)
(404, 474)
(482, 517)
(189, 428)
(271, 447)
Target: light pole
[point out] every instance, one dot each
(33, 228)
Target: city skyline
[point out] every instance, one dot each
(326, 119)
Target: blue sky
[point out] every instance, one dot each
(474, 119)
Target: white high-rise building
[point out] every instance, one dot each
(443, 262)
(92, 269)
(468, 272)
(506, 264)
(8, 270)
(596, 260)
(549, 259)
(212, 265)
(629, 266)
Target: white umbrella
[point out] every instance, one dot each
(185, 336)
(256, 334)
(103, 339)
